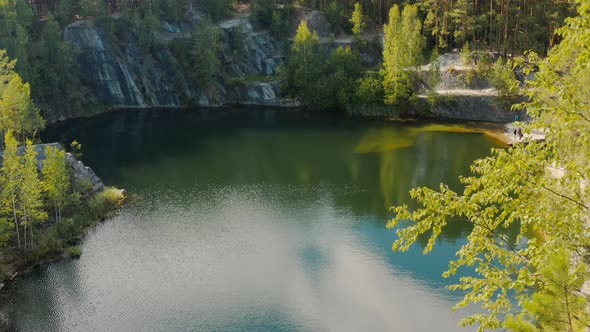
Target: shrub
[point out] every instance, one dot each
(263, 11)
(281, 22)
(48, 244)
(334, 15)
(217, 9)
(369, 90)
(75, 251)
(502, 77)
(106, 201)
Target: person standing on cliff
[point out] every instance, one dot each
(520, 135)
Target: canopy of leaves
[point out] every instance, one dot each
(541, 188)
(402, 52)
(17, 110)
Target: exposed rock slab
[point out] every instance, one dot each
(82, 173)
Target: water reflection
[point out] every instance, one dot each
(260, 220)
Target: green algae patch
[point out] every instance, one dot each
(384, 140)
(492, 131)
(447, 128)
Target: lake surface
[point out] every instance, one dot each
(261, 220)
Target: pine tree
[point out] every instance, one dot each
(205, 54)
(17, 110)
(56, 70)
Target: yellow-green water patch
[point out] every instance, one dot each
(383, 140)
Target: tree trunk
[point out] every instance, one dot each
(16, 222)
(32, 237)
(25, 218)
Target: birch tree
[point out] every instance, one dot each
(306, 65)
(11, 179)
(31, 193)
(56, 181)
(402, 52)
(358, 22)
(535, 280)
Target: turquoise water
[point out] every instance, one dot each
(253, 220)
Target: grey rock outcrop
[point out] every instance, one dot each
(462, 95)
(82, 174)
(476, 108)
(316, 21)
(120, 75)
(124, 75)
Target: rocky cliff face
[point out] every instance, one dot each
(465, 99)
(121, 74)
(117, 72)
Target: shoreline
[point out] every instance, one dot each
(286, 106)
(21, 267)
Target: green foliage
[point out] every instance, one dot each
(338, 83)
(552, 304)
(369, 89)
(76, 149)
(15, 15)
(66, 10)
(205, 58)
(281, 22)
(499, 73)
(56, 70)
(402, 53)
(217, 9)
(175, 10)
(106, 201)
(306, 65)
(335, 15)
(532, 281)
(358, 22)
(466, 54)
(148, 30)
(263, 11)
(75, 251)
(513, 25)
(502, 78)
(48, 244)
(17, 110)
(56, 180)
(434, 75)
(31, 192)
(93, 7)
(11, 179)
(237, 42)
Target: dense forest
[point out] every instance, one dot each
(32, 33)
